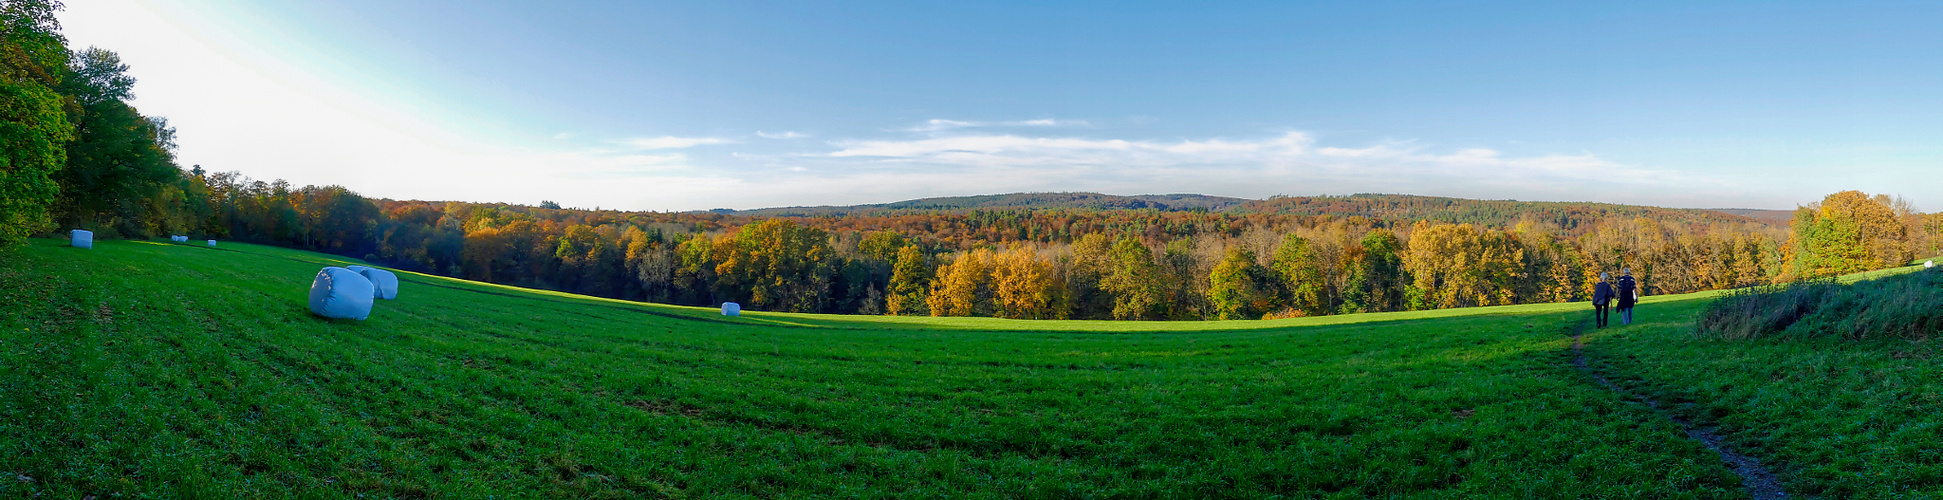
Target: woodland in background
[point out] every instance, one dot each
(78, 156)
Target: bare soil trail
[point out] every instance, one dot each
(1760, 483)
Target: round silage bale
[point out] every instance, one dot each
(731, 309)
(384, 284)
(81, 238)
(340, 293)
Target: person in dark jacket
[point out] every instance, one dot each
(1628, 295)
(1601, 298)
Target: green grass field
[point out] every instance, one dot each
(152, 370)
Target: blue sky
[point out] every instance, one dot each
(676, 106)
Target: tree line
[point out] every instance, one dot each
(1052, 264)
(78, 156)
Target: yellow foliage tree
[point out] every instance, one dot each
(963, 287)
(1460, 265)
(1022, 285)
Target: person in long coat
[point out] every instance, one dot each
(1601, 299)
(1628, 295)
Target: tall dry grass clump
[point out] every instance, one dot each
(1907, 306)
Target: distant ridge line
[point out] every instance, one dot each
(1389, 207)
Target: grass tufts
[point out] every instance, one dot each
(1906, 306)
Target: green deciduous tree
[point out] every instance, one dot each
(1133, 279)
(118, 158)
(34, 127)
(1241, 288)
(1300, 275)
(910, 283)
(1377, 282)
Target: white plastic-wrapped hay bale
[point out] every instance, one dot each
(384, 284)
(731, 309)
(340, 293)
(212, 243)
(1929, 264)
(81, 238)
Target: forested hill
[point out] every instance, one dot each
(1089, 201)
(1776, 217)
(1386, 207)
(1494, 213)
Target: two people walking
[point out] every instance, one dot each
(1603, 295)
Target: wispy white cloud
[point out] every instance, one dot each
(787, 134)
(935, 125)
(988, 150)
(1047, 122)
(1286, 163)
(671, 142)
(941, 125)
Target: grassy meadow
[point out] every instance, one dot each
(155, 370)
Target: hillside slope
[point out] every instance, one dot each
(153, 370)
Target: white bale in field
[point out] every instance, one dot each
(384, 285)
(81, 238)
(340, 293)
(212, 243)
(731, 309)
(1929, 264)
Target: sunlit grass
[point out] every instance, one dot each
(158, 370)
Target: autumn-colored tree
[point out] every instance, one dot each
(910, 283)
(1932, 231)
(1847, 232)
(1241, 288)
(695, 267)
(779, 264)
(964, 286)
(1460, 265)
(1299, 276)
(1551, 269)
(1133, 279)
(1084, 270)
(569, 255)
(1186, 294)
(1023, 286)
(882, 245)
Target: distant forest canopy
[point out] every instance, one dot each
(1092, 201)
(77, 156)
(1384, 207)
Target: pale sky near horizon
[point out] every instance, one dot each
(722, 104)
